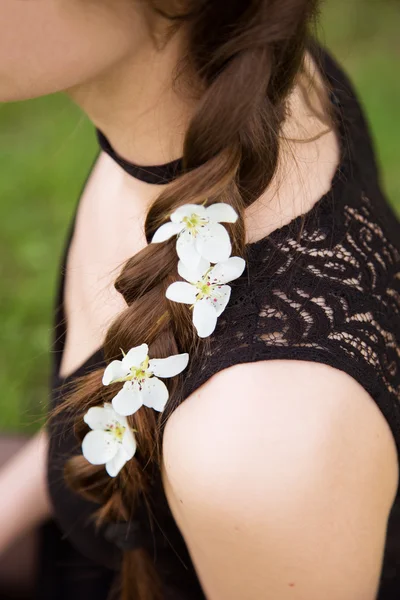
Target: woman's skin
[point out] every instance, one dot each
(244, 517)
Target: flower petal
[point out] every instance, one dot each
(169, 367)
(221, 212)
(191, 274)
(115, 370)
(128, 400)
(98, 447)
(187, 210)
(226, 271)
(129, 443)
(182, 292)
(114, 465)
(213, 243)
(99, 417)
(204, 318)
(135, 356)
(186, 249)
(166, 231)
(120, 418)
(222, 299)
(155, 394)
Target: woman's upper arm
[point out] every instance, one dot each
(281, 476)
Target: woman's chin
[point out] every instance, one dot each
(14, 91)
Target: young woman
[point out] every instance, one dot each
(225, 405)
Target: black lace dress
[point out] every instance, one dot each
(324, 288)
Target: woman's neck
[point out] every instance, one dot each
(145, 120)
(138, 107)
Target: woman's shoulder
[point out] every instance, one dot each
(266, 407)
(322, 291)
(266, 443)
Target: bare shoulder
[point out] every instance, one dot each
(282, 407)
(280, 473)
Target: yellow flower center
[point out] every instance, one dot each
(116, 429)
(194, 222)
(204, 289)
(139, 374)
(207, 289)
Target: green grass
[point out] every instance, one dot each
(46, 148)
(363, 34)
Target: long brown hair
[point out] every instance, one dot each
(245, 55)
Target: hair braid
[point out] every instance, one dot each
(246, 56)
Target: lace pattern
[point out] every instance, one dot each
(329, 294)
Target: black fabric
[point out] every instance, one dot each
(324, 288)
(67, 574)
(159, 174)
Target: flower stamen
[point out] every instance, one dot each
(117, 430)
(194, 223)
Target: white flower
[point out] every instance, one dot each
(206, 290)
(142, 387)
(200, 233)
(111, 443)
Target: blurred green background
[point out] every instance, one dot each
(46, 149)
